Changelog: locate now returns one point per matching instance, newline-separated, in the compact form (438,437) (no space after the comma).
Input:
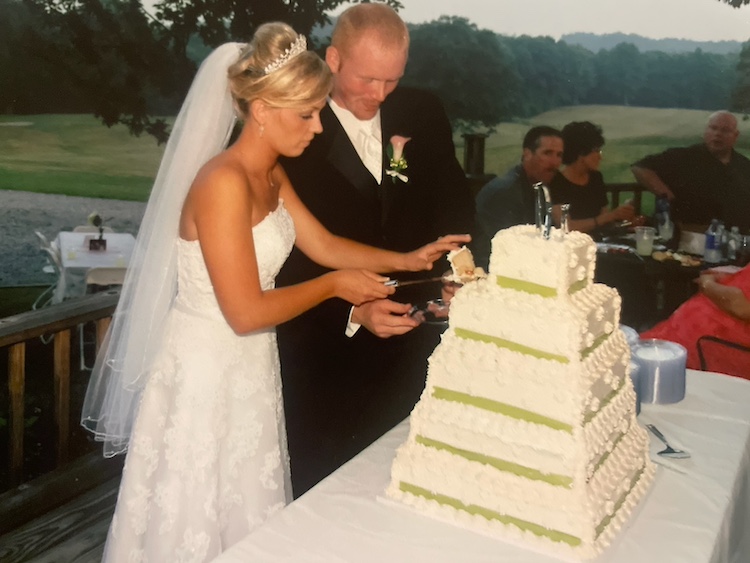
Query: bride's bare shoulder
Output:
(223,173)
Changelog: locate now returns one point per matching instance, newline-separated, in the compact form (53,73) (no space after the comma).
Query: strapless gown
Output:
(208,459)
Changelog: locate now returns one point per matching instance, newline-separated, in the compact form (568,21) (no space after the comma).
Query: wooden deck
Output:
(63,516)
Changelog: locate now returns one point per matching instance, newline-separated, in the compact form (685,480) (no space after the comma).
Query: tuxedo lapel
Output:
(343,156)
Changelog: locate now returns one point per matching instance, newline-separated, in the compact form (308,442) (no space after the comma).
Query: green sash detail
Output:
(605,455)
(476,510)
(502,343)
(536,288)
(620,502)
(608,399)
(500,408)
(500,464)
(529,351)
(578,286)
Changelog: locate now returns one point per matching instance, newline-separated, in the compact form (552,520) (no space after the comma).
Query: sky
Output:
(702,20)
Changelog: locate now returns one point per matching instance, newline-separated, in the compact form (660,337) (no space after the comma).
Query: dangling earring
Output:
(262,128)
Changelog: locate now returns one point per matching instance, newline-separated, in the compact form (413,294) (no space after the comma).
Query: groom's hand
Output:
(384,318)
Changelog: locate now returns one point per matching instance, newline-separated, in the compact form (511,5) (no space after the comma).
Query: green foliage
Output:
(741,91)
(443,58)
(113,59)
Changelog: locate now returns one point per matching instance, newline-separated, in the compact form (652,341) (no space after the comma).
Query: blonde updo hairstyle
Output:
(303,80)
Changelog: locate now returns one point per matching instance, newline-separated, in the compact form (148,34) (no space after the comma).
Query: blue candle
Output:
(631,335)
(662,371)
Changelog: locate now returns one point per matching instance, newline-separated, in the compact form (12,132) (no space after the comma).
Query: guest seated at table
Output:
(510,200)
(721,309)
(581,184)
(709,180)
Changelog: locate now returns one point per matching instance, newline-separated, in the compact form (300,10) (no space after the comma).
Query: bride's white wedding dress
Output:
(208,459)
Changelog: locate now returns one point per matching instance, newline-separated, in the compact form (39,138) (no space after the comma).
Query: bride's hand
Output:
(423,258)
(360,286)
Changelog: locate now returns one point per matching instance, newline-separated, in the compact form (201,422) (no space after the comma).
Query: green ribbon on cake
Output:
(499,464)
(536,288)
(500,408)
(523,349)
(476,510)
(554,535)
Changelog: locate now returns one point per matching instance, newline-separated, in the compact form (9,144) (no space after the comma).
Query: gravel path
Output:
(21,213)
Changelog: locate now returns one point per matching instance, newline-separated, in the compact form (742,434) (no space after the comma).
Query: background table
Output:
(77,259)
(699,514)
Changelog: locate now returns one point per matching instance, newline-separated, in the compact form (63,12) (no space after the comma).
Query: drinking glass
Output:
(644,240)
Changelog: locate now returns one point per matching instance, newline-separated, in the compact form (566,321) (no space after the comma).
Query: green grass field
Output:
(77,155)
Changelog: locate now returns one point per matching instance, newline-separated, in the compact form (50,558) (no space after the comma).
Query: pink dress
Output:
(697,317)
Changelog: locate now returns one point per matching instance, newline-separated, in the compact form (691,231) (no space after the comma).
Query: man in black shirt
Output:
(706,181)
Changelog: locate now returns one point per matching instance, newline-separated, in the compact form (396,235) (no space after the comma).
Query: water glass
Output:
(644,240)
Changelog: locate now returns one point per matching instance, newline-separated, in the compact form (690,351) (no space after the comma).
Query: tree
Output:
(466,67)
(736,3)
(128,65)
(740,100)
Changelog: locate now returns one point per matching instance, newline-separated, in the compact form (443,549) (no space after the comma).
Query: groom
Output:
(350,374)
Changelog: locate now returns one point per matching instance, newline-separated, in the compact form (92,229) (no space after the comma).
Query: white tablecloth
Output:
(697,514)
(77,259)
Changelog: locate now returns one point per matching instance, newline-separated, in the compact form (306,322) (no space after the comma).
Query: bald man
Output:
(710,180)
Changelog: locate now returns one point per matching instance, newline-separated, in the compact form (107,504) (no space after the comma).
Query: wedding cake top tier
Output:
(522,259)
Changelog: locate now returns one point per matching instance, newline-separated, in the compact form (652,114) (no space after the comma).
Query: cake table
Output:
(698,510)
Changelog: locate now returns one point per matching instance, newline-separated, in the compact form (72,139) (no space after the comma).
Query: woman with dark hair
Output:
(580,183)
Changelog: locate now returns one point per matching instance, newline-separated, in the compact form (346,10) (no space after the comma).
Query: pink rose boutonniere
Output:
(397,160)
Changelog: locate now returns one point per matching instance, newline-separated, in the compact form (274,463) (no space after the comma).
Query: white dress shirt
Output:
(366,136)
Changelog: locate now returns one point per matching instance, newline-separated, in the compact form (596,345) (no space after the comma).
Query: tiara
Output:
(298,46)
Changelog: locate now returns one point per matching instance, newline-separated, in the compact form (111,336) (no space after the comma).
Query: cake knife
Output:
(399,283)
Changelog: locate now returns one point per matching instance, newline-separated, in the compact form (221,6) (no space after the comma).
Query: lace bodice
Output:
(274,238)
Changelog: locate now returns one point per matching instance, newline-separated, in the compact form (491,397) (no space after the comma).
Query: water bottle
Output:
(733,244)
(722,236)
(712,253)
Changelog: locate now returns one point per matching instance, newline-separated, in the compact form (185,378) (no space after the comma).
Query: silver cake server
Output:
(669,451)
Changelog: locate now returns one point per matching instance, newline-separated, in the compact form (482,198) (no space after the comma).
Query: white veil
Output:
(200,132)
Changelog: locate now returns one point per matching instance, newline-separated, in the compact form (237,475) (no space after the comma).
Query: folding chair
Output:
(712,347)
(54,266)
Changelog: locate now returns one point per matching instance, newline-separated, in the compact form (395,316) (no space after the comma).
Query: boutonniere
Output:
(397,161)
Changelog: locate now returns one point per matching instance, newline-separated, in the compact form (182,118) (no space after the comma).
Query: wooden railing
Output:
(56,321)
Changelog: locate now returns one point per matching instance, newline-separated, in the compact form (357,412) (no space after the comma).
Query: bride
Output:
(189,381)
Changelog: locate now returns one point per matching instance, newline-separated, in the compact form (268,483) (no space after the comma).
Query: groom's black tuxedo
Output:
(341,393)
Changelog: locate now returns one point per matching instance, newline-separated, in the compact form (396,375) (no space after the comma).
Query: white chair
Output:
(91,229)
(54,266)
(104,277)
(98,279)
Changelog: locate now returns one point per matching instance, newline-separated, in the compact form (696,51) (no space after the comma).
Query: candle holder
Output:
(661,371)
